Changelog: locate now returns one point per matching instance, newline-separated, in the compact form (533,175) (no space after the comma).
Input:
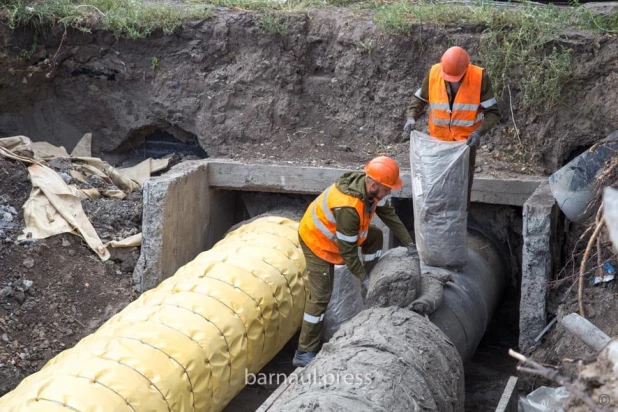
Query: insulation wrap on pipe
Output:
(413,363)
(186,345)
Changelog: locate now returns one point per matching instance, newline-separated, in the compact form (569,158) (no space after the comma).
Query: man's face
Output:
(377,190)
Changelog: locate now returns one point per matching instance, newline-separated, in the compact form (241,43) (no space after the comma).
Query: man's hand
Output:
(364,287)
(409,125)
(474,140)
(412,250)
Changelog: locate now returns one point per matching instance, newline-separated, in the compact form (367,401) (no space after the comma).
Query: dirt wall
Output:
(334,89)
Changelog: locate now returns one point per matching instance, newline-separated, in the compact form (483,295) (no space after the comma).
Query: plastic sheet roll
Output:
(186,345)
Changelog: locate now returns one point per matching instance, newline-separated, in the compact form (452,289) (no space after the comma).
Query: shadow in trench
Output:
(489,369)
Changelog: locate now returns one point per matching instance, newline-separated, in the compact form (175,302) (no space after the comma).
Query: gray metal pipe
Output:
(392,342)
(470,301)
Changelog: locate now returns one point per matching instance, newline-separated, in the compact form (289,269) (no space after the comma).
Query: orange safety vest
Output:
(318,228)
(467,113)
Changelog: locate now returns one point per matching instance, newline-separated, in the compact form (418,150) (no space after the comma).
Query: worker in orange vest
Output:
(334,226)
(461,102)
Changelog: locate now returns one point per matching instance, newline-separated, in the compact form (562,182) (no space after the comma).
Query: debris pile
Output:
(60,182)
(53,289)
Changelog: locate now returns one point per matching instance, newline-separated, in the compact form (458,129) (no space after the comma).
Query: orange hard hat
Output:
(454,64)
(385,171)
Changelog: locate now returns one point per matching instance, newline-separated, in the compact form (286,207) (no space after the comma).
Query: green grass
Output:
(522,41)
(273,24)
(125,18)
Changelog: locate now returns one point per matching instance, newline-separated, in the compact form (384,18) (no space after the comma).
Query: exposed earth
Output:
(334,84)
(332,92)
(55,291)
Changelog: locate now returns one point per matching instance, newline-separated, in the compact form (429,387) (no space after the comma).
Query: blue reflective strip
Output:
(313,319)
(327,212)
(470,107)
(440,106)
(489,103)
(347,238)
(463,122)
(319,225)
(418,94)
(441,122)
(444,122)
(372,256)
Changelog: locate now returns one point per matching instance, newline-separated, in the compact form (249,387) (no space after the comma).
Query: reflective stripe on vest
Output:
(318,228)
(466,113)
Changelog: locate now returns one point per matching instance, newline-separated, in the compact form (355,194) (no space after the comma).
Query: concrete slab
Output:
(313,180)
(539,226)
(508,401)
(182,217)
(189,208)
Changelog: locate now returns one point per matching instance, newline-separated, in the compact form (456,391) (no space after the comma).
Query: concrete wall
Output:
(232,175)
(539,227)
(182,217)
(191,207)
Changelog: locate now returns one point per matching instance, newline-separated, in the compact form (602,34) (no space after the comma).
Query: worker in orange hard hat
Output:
(334,226)
(461,102)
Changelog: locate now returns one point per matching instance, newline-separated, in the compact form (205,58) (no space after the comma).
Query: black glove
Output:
(474,140)
(412,250)
(409,125)
(365,287)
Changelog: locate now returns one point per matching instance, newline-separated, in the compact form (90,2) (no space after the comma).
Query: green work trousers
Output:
(321,277)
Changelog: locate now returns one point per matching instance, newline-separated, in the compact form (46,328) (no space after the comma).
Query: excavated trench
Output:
(486,372)
(224,89)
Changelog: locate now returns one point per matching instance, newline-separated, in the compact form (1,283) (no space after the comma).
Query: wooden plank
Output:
(313,180)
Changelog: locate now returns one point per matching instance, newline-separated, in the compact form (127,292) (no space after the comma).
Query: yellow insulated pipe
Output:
(186,345)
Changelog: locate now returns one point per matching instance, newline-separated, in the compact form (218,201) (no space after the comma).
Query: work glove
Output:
(474,140)
(409,125)
(412,251)
(364,287)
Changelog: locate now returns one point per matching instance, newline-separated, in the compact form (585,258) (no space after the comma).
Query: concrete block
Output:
(313,180)
(182,217)
(509,399)
(539,223)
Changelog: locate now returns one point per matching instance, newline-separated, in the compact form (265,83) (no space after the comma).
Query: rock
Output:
(479,169)
(29,263)
(344,148)
(5,337)
(65,243)
(27,284)
(61,163)
(68,179)
(6,292)
(20,297)
(6,216)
